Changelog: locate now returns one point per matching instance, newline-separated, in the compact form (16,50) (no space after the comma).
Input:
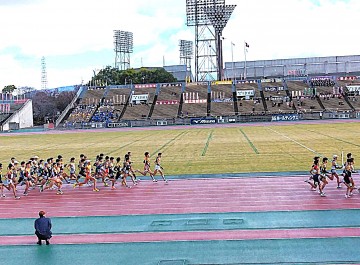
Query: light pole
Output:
(94,78)
(232,60)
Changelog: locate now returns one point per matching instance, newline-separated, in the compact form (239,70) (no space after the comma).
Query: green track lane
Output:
(285,251)
(188,222)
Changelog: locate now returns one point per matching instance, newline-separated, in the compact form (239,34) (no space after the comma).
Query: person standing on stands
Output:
(43,228)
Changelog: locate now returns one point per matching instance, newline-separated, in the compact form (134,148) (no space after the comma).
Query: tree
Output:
(9,89)
(114,76)
(25,90)
(46,106)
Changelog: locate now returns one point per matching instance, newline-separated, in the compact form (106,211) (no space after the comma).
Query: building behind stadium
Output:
(296,67)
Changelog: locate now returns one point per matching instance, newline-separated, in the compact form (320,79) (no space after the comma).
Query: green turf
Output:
(200,151)
(286,251)
(188,222)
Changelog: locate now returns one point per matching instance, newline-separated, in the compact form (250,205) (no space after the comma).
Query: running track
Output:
(226,198)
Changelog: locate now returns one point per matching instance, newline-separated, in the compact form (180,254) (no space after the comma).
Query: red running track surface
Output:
(188,236)
(181,196)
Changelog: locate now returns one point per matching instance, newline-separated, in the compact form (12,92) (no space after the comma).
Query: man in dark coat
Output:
(43,228)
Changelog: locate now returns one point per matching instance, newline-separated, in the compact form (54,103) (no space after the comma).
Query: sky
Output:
(76,37)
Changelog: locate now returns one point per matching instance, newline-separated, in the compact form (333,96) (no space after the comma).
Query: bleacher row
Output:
(114,105)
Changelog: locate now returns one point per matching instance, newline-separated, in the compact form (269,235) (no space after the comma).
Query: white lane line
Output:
(287,137)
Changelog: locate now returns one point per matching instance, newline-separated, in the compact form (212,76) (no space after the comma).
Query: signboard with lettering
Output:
(273,88)
(285,117)
(167,102)
(203,121)
(353,88)
(144,85)
(171,85)
(117,124)
(346,78)
(245,93)
(221,82)
(143,97)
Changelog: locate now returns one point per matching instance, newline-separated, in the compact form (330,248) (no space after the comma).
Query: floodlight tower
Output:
(123,42)
(186,54)
(43,74)
(202,14)
(205,46)
(219,16)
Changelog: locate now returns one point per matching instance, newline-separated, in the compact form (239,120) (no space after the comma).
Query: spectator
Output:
(43,228)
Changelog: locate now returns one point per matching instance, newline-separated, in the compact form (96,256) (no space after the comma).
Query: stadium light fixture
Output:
(123,47)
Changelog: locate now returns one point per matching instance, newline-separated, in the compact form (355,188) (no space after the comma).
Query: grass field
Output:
(199,151)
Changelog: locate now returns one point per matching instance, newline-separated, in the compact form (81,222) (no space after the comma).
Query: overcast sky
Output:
(76,37)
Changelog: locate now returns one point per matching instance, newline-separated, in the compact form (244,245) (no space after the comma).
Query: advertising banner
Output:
(203,121)
(144,85)
(117,124)
(346,78)
(273,88)
(143,97)
(221,83)
(170,85)
(244,93)
(353,88)
(285,117)
(167,102)
(193,101)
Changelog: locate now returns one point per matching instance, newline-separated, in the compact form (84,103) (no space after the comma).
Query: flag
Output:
(247,45)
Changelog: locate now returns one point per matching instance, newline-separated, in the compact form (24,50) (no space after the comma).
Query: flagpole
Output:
(245,61)
(232,59)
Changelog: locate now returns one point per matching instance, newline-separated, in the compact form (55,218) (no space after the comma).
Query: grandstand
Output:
(168,102)
(15,114)
(140,102)
(309,98)
(195,100)
(222,103)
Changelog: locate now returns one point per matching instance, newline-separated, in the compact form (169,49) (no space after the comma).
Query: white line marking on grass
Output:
(287,137)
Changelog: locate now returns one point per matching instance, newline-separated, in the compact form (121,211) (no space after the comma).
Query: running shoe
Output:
(41,188)
(322,194)
(347,196)
(154,180)
(106,185)
(59,192)
(74,185)
(17,197)
(3,195)
(113,188)
(96,190)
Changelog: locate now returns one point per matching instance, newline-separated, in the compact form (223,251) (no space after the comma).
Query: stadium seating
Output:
(222,100)
(92,96)
(294,96)
(13,108)
(332,98)
(195,93)
(82,113)
(117,98)
(251,106)
(140,111)
(277,100)
(106,113)
(168,102)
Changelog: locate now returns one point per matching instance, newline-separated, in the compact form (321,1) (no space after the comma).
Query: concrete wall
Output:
(23,117)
